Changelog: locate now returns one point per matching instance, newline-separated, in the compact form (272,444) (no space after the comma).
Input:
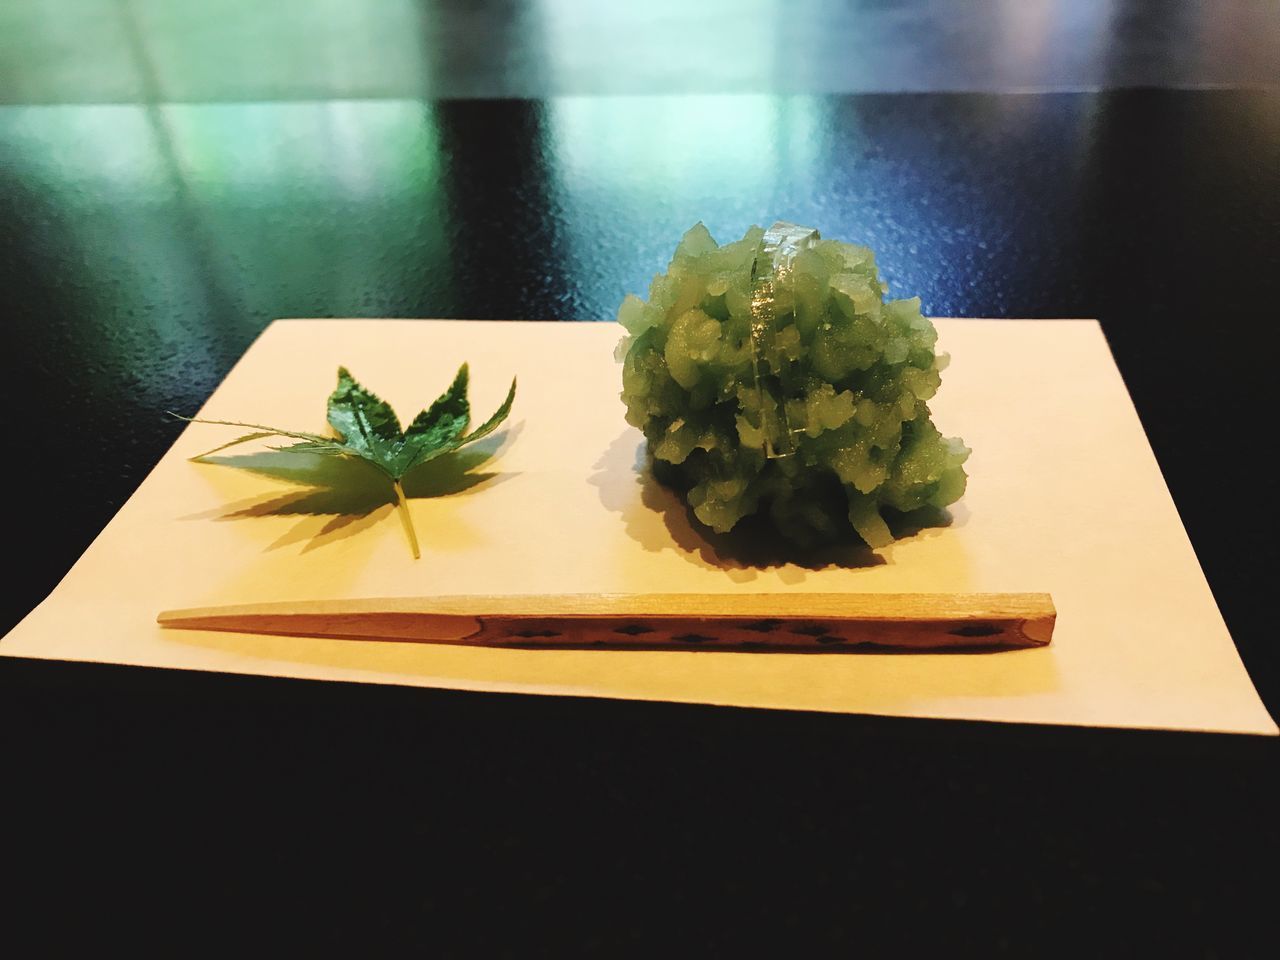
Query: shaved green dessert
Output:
(770,376)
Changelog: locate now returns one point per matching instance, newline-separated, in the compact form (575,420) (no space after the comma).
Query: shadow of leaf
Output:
(349,502)
(350,489)
(353,485)
(450,474)
(301,469)
(333,485)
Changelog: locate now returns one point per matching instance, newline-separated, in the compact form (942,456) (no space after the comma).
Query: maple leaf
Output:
(368,428)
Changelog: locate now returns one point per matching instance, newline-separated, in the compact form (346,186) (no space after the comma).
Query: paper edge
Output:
(515,691)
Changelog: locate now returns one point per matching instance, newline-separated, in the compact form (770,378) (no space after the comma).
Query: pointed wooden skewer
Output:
(792,622)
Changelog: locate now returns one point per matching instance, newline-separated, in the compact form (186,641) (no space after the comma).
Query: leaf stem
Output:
(406,519)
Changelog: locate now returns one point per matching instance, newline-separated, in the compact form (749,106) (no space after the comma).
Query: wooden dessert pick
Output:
(792,622)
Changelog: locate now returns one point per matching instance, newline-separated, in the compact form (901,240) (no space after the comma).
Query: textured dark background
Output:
(166,193)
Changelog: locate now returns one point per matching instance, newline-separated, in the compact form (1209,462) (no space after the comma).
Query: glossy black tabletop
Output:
(142,247)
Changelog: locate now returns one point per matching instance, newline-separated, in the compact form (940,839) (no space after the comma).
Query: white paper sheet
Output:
(1064,496)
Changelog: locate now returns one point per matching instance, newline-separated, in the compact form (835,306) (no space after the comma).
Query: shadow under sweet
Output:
(660,519)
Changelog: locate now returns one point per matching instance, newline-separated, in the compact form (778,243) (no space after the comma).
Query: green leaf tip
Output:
(498,417)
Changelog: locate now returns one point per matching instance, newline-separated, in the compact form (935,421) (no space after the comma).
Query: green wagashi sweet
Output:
(771,376)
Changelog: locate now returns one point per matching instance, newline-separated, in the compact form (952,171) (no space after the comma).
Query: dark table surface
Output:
(143,247)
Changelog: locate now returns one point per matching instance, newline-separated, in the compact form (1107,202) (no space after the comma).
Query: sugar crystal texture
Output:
(787,387)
